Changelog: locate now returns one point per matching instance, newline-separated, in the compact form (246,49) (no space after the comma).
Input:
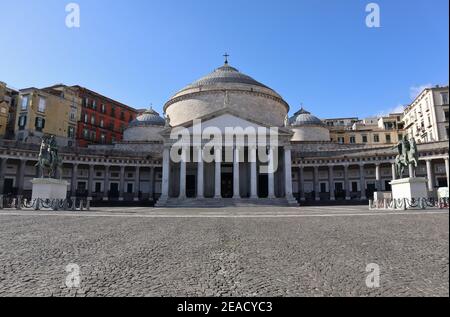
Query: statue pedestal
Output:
(49,188)
(409,188)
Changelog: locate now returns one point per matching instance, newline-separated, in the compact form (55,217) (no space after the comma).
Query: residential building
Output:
(427,118)
(52,110)
(8,101)
(103,120)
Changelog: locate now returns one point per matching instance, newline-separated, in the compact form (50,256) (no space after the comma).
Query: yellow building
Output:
(8,98)
(371,131)
(54,110)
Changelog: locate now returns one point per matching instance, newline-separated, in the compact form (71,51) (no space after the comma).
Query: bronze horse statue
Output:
(407,155)
(49,159)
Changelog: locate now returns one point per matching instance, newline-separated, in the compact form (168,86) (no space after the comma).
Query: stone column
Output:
(346,183)
(122,183)
(137,183)
(447,171)
(236,180)
(90,180)
(316,183)
(151,184)
(331,182)
(74,180)
(254,173)
(106,184)
(218,174)
(271,174)
(301,183)
(200,174)
(394,172)
(288,173)
(183,174)
(21,176)
(2,174)
(165,173)
(430,175)
(362,181)
(378,177)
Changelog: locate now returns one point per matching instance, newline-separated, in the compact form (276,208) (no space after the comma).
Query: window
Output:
(102,123)
(103,108)
(103,138)
(39,124)
(364,139)
(71,132)
(444,97)
(376,138)
(352,139)
(86,102)
(94,105)
(42,104)
(86,118)
(446,115)
(129,188)
(93,120)
(98,187)
(388,138)
(113,139)
(85,133)
(73,115)
(22,121)
(122,115)
(93,135)
(24,103)
(341,140)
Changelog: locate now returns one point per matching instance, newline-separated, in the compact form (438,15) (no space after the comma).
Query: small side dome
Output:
(148,118)
(308,128)
(145,128)
(305,118)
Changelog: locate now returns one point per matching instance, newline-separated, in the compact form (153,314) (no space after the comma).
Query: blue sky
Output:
(316,52)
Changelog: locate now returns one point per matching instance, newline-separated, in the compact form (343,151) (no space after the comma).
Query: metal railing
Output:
(405,204)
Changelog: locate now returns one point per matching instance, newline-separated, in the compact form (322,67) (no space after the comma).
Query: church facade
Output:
(226,140)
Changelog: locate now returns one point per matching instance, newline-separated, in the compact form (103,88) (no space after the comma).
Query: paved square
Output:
(312,251)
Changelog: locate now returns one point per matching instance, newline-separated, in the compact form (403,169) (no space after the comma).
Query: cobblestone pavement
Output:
(320,251)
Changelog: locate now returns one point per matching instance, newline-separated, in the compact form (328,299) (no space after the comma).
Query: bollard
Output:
(74,204)
(38,204)
(19,202)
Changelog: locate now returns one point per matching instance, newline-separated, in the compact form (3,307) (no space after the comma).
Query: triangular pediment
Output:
(226,118)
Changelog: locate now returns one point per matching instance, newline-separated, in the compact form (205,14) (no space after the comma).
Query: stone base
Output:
(409,188)
(49,188)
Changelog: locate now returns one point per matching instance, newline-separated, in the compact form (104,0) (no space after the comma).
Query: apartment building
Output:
(103,120)
(53,110)
(8,101)
(427,118)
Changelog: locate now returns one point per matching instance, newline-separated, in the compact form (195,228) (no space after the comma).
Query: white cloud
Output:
(397,109)
(416,90)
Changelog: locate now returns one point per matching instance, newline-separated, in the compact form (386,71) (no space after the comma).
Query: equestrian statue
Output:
(407,155)
(49,158)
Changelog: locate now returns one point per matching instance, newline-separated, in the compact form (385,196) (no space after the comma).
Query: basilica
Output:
(300,165)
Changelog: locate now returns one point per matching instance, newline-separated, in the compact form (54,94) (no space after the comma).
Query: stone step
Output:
(224,202)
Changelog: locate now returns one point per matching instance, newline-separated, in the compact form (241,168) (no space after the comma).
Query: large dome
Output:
(227,87)
(224,75)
